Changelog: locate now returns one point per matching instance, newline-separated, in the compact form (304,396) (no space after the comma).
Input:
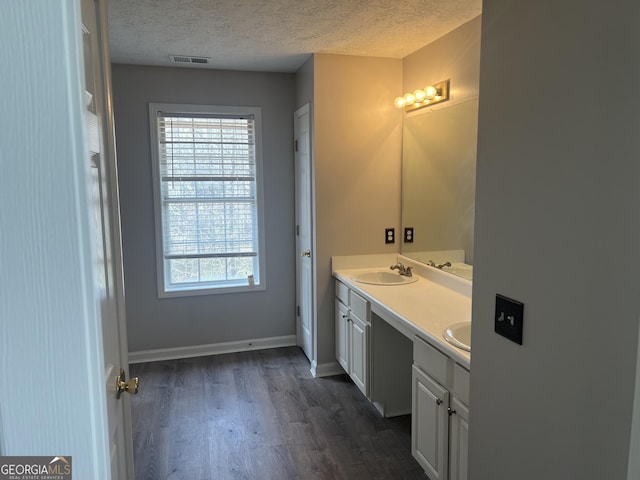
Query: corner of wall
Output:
(634,444)
(305,82)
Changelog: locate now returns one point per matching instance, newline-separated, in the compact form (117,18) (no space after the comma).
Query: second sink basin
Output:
(459,335)
(383,277)
(460,269)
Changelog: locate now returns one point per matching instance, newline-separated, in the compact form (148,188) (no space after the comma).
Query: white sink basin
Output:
(460,269)
(383,277)
(459,335)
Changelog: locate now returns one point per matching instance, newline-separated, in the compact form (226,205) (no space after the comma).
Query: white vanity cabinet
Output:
(429,429)
(439,413)
(342,334)
(352,335)
(459,441)
(459,424)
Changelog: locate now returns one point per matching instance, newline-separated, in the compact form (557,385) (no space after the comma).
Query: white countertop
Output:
(424,308)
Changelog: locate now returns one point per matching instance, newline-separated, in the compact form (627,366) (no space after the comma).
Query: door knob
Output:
(122,385)
(306,253)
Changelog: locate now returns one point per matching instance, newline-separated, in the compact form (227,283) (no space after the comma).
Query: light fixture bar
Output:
(430,95)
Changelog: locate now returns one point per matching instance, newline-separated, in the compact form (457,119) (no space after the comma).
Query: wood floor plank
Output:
(261,415)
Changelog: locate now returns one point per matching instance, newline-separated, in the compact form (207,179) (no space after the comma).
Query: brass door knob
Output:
(306,253)
(122,385)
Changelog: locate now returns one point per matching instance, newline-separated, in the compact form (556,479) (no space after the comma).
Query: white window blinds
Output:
(208,185)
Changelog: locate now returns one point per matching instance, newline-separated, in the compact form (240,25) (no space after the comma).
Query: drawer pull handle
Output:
(452,411)
(438,401)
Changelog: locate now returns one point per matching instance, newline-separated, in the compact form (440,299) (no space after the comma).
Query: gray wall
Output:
(188,321)
(557,227)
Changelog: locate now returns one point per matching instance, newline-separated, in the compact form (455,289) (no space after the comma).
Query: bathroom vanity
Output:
(389,340)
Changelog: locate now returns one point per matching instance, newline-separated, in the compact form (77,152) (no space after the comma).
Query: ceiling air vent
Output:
(189,59)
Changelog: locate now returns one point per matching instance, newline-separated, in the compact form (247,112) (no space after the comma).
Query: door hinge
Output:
(298,230)
(298,310)
(296,143)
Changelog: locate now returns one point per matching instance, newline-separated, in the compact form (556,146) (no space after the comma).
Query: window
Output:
(207,189)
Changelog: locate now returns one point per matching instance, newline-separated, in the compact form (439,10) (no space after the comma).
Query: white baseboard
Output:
(326,369)
(397,413)
(387,413)
(211,349)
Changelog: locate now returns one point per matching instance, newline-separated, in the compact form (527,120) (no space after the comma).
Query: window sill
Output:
(192,291)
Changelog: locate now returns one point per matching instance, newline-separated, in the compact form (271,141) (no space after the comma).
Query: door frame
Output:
(109,145)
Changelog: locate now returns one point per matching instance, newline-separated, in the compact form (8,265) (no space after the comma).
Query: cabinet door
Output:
(342,335)
(458,453)
(430,425)
(359,337)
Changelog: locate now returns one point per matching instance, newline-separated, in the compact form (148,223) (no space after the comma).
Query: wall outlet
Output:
(408,234)
(509,318)
(389,235)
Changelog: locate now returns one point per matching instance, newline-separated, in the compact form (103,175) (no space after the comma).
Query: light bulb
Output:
(419,95)
(430,92)
(409,99)
(399,102)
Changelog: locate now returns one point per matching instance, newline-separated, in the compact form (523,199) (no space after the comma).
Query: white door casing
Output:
(106,223)
(304,232)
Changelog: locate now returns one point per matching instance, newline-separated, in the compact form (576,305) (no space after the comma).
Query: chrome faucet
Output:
(442,265)
(402,270)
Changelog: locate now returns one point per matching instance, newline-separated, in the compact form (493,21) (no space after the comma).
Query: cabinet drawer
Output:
(461,383)
(359,306)
(431,361)
(342,292)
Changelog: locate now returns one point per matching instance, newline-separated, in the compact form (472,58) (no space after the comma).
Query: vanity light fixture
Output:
(430,95)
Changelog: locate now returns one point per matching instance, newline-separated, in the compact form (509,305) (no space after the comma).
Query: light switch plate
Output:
(509,318)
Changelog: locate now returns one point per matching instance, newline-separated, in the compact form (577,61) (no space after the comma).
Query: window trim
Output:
(193,289)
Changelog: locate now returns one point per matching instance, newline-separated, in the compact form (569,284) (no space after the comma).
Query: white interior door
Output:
(304,231)
(106,222)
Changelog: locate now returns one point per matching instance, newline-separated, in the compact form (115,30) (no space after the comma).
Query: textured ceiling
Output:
(277,35)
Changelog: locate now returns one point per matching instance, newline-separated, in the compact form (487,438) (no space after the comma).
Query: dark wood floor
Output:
(260,415)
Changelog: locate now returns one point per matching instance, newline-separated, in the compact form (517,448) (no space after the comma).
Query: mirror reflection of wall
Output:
(438,179)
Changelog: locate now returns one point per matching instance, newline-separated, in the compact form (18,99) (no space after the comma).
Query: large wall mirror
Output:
(438,183)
